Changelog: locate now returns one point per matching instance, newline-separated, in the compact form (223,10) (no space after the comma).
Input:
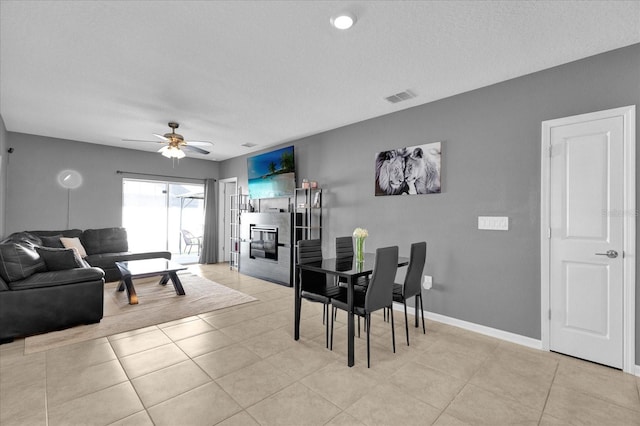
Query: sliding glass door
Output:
(163,216)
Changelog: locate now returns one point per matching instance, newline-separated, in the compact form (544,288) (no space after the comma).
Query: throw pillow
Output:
(19,261)
(74,242)
(58,259)
(52,241)
(83,263)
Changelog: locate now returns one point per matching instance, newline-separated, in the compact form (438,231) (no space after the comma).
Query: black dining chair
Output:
(314,286)
(378,295)
(344,252)
(411,286)
(344,247)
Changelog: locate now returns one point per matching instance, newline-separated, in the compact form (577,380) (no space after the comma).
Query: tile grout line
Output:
(130,383)
(201,369)
(340,410)
(546,400)
(463,387)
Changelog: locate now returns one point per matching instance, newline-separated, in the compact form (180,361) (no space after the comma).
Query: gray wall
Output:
(490,165)
(3,173)
(36,201)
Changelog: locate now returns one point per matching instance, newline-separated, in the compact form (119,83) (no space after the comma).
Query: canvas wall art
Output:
(409,170)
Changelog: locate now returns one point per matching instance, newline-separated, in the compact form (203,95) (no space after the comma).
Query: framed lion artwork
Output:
(409,170)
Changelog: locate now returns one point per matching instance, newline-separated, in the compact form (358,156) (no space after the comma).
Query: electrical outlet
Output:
(427,282)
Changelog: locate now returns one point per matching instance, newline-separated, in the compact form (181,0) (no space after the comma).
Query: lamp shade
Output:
(70,179)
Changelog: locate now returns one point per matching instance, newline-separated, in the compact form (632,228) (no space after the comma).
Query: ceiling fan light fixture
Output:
(343,21)
(172,152)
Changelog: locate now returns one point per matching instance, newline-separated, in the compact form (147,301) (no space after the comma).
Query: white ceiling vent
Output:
(249,144)
(399,97)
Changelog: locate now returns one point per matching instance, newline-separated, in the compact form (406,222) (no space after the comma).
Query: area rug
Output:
(157,304)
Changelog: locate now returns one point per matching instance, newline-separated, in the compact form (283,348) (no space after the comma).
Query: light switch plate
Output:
(493,223)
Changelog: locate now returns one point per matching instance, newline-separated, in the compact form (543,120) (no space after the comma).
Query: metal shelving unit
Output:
(238,203)
(308,217)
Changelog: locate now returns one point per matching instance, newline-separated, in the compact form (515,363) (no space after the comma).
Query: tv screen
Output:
(272,174)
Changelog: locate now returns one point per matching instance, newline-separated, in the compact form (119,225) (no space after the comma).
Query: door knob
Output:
(611,254)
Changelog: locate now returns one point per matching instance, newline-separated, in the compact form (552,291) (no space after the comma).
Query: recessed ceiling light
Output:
(343,21)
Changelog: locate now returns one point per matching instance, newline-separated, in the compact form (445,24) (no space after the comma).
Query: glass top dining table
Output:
(349,269)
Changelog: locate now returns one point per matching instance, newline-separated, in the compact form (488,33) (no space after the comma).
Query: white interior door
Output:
(227,187)
(586,220)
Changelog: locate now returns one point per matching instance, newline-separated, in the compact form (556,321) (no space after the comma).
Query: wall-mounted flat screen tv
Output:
(272,174)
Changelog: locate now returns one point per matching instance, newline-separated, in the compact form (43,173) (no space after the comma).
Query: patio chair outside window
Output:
(190,240)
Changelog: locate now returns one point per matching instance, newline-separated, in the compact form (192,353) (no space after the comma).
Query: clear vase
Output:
(359,248)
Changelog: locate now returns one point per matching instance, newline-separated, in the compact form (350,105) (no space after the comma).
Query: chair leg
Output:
(406,323)
(424,330)
(326,337)
(365,326)
(393,331)
(332,317)
(367,320)
(324,315)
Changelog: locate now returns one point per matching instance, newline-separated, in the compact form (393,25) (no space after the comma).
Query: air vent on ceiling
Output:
(399,97)
(249,144)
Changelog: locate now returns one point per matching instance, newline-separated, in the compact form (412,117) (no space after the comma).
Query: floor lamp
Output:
(69,179)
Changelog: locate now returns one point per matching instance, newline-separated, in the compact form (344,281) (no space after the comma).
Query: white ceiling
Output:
(268,72)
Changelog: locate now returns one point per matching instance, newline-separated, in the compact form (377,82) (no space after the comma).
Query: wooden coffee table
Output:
(131,269)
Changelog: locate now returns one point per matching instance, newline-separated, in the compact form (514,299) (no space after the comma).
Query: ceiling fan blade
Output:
(161,137)
(139,140)
(194,149)
(199,143)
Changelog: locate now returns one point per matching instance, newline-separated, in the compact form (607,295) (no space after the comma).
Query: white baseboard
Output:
(487,331)
(481,329)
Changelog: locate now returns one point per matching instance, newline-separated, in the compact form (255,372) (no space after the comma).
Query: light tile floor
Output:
(241,366)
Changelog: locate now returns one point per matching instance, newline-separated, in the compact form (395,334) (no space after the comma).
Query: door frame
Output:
(629,245)
(223,213)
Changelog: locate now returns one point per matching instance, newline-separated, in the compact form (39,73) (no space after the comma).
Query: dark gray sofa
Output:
(37,298)
(104,247)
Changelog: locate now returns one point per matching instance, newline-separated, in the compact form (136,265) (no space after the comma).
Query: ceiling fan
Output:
(175,145)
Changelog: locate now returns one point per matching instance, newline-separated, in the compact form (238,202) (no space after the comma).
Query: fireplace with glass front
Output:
(266,246)
(264,242)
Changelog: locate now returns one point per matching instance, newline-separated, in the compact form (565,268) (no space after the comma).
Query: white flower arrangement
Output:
(360,233)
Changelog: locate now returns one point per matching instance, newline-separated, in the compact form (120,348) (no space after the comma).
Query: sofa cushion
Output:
(68,233)
(53,241)
(56,278)
(19,261)
(57,259)
(105,240)
(3,285)
(74,243)
(107,260)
